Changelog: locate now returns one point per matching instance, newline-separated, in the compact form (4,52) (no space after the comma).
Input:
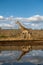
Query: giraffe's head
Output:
(17,22)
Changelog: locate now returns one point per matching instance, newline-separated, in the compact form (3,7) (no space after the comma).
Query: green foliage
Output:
(3,36)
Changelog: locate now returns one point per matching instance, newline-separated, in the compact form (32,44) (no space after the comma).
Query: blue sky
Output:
(21,9)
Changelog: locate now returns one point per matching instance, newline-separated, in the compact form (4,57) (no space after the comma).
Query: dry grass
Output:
(15,34)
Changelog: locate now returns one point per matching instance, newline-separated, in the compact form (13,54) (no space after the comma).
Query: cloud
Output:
(1,17)
(34,24)
(29,19)
(10,18)
(32,21)
(5,25)
(34,18)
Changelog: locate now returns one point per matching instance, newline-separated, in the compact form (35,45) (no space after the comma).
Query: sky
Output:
(29,12)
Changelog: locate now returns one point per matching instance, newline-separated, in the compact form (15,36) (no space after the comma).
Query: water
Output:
(10,58)
(18,64)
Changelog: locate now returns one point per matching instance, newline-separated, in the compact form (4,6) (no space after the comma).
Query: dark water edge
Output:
(26,63)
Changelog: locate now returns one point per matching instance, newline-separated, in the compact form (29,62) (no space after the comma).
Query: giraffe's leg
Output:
(23,53)
(25,50)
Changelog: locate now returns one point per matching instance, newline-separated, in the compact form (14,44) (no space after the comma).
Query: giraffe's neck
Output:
(21,27)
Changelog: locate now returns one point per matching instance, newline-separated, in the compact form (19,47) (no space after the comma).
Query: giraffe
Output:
(25,35)
(25,32)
